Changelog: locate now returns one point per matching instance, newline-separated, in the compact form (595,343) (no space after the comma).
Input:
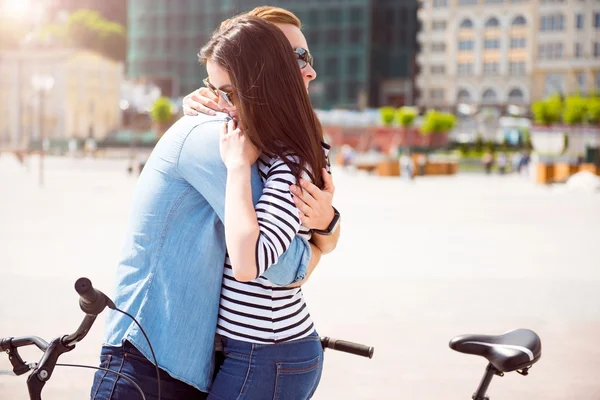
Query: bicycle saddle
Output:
(508,352)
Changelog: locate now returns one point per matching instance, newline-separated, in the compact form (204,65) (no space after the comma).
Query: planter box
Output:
(544,173)
(590,167)
(452,168)
(436,169)
(388,168)
(562,171)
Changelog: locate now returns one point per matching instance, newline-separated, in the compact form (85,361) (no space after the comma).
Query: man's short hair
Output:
(274,15)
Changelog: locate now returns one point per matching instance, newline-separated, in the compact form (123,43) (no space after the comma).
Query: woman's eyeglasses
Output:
(304,57)
(218,92)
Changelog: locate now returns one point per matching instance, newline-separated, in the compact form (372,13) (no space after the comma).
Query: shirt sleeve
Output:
(277,216)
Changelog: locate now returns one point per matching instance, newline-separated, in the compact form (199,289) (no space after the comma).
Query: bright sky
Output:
(16,9)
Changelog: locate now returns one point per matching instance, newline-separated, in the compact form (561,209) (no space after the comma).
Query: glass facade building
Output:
(357,44)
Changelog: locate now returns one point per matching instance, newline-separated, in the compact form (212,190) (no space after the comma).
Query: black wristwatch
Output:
(332,225)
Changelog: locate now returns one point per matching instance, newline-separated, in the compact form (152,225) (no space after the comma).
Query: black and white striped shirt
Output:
(259,311)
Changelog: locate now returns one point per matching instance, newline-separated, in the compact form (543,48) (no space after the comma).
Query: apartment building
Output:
(497,53)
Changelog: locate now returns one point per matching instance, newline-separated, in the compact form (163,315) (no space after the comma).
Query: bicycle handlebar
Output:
(10,342)
(92,302)
(348,347)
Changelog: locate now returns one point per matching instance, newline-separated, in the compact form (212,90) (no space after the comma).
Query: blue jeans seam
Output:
(107,366)
(247,373)
(118,377)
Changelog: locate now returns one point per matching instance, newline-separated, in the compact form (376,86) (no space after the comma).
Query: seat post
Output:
(490,371)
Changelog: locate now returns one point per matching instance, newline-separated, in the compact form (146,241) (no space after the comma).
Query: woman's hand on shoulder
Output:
(236,148)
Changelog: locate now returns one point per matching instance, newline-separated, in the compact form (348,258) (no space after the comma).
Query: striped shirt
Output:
(258,311)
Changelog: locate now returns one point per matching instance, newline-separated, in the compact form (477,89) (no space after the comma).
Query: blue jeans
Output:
(129,361)
(283,371)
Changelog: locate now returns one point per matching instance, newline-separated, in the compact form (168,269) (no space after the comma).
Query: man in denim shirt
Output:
(169,276)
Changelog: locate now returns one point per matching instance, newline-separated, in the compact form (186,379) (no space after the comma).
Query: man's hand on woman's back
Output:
(201,101)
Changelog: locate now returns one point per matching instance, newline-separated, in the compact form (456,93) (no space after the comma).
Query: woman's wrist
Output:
(237,166)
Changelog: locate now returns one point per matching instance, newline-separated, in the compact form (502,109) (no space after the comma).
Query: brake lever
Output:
(20,367)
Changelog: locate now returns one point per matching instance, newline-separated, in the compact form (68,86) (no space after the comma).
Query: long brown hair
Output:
(269,93)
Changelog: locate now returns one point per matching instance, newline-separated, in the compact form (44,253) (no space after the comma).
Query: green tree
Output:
(437,122)
(387,115)
(593,110)
(447,122)
(88,29)
(162,110)
(575,110)
(405,116)
(548,111)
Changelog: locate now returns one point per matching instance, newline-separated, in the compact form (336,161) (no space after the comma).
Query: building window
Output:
(466,24)
(333,16)
(331,66)
(554,22)
(438,26)
(516,68)
(436,94)
(356,15)
(333,36)
(491,44)
(465,69)
(581,82)
(352,89)
(313,18)
(463,96)
(312,37)
(579,21)
(578,50)
(550,51)
(553,84)
(598,81)
(466,45)
(467,2)
(439,47)
(491,68)
(596,20)
(517,43)
(519,21)
(354,65)
(440,3)
(489,97)
(492,23)
(355,35)
(516,96)
(596,49)
(332,92)
(438,70)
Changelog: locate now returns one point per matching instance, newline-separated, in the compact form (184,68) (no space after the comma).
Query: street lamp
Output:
(42,84)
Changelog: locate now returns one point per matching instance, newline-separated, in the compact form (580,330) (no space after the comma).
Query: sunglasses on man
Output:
(302,55)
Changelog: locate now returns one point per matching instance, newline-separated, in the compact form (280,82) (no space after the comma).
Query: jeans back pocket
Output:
(297,380)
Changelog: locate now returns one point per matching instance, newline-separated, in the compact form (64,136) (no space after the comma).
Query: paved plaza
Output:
(417,263)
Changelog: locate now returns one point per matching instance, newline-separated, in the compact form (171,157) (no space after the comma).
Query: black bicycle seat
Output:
(508,352)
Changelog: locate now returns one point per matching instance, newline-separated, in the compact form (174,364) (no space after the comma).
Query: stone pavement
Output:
(417,263)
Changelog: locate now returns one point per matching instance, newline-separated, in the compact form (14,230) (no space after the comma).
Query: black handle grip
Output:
(91,301)
(348,347)
(5,344)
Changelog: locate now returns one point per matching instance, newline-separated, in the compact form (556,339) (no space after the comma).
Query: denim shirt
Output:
(171,267)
